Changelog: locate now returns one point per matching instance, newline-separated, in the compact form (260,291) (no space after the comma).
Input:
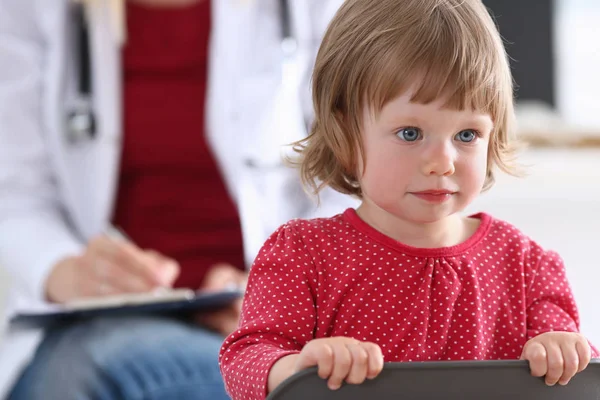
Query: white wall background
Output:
(558,205)
(577,38)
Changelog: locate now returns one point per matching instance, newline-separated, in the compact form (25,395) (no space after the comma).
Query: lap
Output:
(125,358)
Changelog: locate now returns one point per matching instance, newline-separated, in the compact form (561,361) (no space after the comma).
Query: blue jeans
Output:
(127,358)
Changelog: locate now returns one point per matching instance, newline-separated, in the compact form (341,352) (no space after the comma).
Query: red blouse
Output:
(479,300)
(171,195)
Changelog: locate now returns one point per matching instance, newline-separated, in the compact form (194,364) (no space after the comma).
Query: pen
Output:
(115,233)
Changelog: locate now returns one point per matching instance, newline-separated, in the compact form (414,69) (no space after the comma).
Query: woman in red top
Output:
(171,199)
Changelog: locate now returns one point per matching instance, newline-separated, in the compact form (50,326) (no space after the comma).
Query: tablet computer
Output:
(451,380)
(176,303)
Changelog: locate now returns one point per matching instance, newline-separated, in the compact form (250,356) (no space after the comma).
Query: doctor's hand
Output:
(107,267)
(220,277)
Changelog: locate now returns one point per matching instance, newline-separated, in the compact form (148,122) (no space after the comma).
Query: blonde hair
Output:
(375,50)
(116,10)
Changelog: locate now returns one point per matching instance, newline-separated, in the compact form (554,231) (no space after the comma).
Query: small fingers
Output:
(319,354)
(570,363)
(342,359)
(375,359)
(342,363)
(536,354)
(555,364)
(360,364)
(584,353)
(325,361)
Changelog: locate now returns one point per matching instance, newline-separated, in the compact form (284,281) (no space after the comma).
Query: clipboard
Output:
(450,380)
(176,306)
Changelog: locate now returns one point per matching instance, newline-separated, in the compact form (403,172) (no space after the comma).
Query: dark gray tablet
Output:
(452,380)
(201,302)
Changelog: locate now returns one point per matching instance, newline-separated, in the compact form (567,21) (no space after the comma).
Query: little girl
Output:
(413,110)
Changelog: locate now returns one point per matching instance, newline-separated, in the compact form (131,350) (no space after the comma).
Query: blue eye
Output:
(409,134)
(466,136)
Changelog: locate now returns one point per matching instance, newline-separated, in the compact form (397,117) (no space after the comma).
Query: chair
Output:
(464,380)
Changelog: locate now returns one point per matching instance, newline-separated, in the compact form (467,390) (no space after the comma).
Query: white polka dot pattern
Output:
(480,300)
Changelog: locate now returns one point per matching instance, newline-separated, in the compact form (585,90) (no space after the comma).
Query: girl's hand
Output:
(338,359)
(557,355)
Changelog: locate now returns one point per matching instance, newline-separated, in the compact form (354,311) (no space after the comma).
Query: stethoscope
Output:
(81,119)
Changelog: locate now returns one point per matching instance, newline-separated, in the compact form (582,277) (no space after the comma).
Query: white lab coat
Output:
(54,196)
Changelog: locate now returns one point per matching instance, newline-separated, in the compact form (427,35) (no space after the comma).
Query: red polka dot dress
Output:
(479,300)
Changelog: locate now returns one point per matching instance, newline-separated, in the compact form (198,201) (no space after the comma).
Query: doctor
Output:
(103,121)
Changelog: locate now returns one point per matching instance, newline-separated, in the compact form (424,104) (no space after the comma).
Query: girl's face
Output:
(424,162)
